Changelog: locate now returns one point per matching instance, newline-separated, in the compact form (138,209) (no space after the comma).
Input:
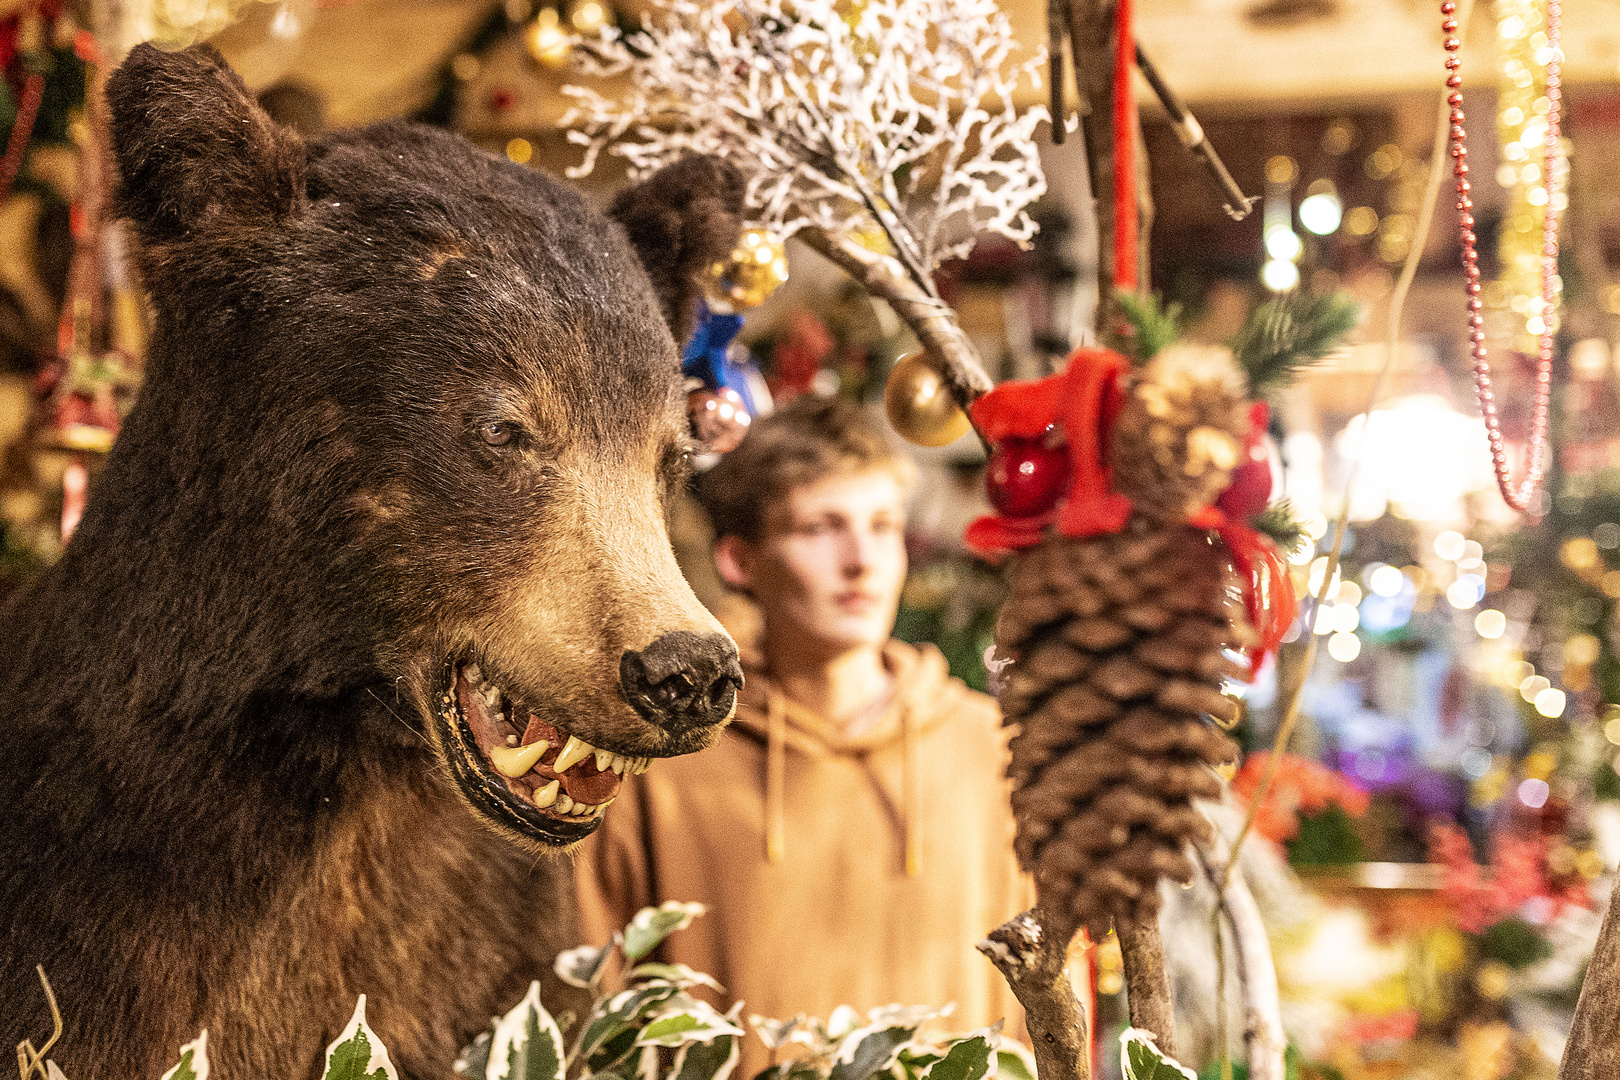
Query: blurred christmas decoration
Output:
(918,400)
(1522,113)
(1303,794)
(895,114)
(731,391)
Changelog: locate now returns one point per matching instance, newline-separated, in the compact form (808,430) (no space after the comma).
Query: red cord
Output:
(22,129)
(1125,223)
(1515,495)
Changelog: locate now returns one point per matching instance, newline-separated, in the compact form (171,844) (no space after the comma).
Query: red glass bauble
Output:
(1026,477)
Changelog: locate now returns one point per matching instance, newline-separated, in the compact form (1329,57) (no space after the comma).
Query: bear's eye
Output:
(497,432)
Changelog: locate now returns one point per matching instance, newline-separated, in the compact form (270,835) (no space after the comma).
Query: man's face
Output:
(831,564)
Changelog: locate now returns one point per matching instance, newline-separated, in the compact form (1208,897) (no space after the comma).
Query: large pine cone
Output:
(1117,643)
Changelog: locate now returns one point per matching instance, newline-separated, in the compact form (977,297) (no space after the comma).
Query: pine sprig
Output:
(1289,333)
(1152,326)
(1278,522)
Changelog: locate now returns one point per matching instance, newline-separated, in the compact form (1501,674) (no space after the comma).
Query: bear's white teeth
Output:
(513,760)
(551,797)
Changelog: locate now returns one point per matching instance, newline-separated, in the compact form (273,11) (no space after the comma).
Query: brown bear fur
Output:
(225,803)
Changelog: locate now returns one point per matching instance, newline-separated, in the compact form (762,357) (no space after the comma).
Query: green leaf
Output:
(972,1058)
(650,926)
(679,974)
(474,1057)
(583,967)
(1141,1059)
(1283,335)
(712,1060)
(869,1050)
(357,1053)
(1152,327)
(193,1063)
(527,1044)
(695,1021)
(621,1010)
(1014,1061)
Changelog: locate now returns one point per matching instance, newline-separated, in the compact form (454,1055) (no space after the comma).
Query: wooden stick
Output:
(933,322)
(1147,985)
(1593,1052)
(1031,951)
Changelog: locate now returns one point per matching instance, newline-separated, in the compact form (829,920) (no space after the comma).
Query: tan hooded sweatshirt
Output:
(798,840)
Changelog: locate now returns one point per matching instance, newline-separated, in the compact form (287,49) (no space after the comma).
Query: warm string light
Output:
(1515,495)
(1523,105)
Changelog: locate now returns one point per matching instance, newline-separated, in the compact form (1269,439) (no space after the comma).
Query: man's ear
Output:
(682,220)
(735,561)
(193,146)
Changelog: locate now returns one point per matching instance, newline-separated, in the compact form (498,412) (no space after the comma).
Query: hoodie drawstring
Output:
(775,772)
(908,812)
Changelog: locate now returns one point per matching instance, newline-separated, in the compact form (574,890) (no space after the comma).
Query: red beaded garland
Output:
(1516,495)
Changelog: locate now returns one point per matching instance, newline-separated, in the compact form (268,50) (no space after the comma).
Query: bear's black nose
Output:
(682,680)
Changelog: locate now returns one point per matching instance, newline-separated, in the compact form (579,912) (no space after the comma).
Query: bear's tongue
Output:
(589,777)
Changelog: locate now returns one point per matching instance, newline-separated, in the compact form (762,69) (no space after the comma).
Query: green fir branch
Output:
(1278,522)
(1152,327)
(1291,332)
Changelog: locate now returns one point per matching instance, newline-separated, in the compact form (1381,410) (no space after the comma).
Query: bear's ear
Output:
(192,145)
(682,220)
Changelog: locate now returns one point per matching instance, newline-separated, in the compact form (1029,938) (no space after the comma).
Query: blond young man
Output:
(850,833)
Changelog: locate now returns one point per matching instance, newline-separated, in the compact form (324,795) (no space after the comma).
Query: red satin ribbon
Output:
(1084,400)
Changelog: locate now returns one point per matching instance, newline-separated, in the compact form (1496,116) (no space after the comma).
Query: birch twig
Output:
(1031,951)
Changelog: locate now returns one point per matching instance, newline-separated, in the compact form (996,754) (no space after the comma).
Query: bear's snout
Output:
(683,680)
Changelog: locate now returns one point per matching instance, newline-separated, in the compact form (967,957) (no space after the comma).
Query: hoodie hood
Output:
(925,696)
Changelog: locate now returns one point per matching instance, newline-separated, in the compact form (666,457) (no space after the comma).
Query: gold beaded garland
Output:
(919,402)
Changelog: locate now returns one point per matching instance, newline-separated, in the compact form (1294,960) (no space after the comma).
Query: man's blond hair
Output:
(807,440)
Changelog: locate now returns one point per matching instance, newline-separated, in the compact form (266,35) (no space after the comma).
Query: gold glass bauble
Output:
(751,272)
(919,402)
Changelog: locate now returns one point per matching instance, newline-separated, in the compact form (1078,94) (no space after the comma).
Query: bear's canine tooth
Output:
(574,751)
(604,760)
(515,761)
(544,797)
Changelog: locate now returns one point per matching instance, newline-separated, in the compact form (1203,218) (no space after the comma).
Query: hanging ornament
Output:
(756,267)
(1122,614)
(1025,476)
(919,402)
(1515,495)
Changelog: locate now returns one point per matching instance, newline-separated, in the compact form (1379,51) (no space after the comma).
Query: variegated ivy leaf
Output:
(583,967)
(652,925)
(774,1033)
(789,1070)
(619,1012)
(474,1057)
(912,1016)
(679,974)
(357,1053)
(842,1021)
(1141,1058)
(193,1063)
(1014,1060)
(693,1021)
(713,1060)
(527,1044)
(970,1058)
(869,1050)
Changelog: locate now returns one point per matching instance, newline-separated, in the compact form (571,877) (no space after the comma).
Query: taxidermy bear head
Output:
(412,417)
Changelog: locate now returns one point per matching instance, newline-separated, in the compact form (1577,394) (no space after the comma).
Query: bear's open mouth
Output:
(524,771)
